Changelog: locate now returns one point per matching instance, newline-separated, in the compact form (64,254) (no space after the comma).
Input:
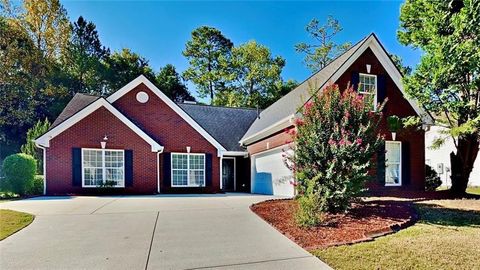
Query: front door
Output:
(228,174)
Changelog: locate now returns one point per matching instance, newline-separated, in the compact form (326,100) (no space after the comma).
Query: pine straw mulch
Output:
(365,221)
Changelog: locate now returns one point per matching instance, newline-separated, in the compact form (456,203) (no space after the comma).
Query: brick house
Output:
(137,140)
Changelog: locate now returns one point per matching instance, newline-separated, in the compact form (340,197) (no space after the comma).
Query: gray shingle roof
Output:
(291,102)
(78,102)
(227,125)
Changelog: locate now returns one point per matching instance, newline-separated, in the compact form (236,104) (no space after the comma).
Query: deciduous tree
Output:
(447,80)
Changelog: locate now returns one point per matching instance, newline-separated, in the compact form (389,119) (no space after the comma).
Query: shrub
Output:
(19,170)
(333,142)
(432,180)
(37,187)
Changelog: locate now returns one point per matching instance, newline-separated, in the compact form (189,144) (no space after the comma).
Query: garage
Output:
(270,175)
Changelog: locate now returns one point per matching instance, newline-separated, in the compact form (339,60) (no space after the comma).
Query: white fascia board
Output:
(142,79)
(44,140)
(234,153)
(282,124)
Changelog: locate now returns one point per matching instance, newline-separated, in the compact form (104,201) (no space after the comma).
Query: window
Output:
(368,87)
(393,163)
(188,170)
(103,167)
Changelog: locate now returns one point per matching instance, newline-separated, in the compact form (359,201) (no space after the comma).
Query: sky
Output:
(158,30)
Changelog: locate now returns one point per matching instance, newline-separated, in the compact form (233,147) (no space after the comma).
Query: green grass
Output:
(473,190)
(13,221)
(447,236)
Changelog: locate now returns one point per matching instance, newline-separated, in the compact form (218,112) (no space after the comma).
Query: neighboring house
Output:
(140,141)
(366,64)
(439,159)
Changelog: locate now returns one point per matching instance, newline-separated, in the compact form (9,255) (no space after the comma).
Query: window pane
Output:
(197,162)
(92,158)
(393,152)
(196,178)
(179,161)
(115,175)
(179,178)
(113,159)
(392,174)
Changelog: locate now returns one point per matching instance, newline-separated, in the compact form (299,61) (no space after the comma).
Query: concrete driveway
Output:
(149,232)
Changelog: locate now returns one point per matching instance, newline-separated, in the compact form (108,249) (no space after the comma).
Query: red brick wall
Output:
(88,133)
(396,105)
(168,128)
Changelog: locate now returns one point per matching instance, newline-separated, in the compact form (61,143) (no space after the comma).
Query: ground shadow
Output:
(438,215)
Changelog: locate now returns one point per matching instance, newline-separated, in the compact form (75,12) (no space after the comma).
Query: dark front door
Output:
(228,174)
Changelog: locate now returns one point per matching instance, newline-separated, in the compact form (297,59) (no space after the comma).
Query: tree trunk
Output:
(462,163)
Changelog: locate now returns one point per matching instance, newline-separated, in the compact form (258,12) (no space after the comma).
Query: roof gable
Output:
(44,140)
(142,79)
(279,115)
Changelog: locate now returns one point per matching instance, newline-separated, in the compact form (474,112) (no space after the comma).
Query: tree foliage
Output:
(335,137)
(205,52)
(84,59)
(447,80)
(253,73)
(124,66)
(30,148)
(323,49)
(169,81)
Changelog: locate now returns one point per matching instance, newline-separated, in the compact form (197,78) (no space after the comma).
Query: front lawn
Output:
(447,236)
(473,190)
(13,221)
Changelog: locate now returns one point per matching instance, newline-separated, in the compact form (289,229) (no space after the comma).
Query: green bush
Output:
(37,187)
(432,180)
(19,171)
(333,144)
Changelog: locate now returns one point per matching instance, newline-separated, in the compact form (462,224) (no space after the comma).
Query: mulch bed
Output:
(365,221)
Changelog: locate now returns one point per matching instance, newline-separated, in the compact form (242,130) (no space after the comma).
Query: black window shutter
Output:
(128,168)
(381,165)
(77,167)
(355,80)
(167,157)
(405,163)
(382,88)
(208,169)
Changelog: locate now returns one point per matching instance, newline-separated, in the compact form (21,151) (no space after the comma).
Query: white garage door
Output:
(270,175)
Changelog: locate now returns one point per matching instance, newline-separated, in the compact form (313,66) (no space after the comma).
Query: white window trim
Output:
(368,93)
(103,167)
(188,169)
(400,167)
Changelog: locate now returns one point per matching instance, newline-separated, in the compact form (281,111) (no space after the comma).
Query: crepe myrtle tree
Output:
(333,142)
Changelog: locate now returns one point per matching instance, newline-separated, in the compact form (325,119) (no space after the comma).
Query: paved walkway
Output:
(149,232)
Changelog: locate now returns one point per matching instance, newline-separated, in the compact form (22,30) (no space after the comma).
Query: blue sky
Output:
(158,30)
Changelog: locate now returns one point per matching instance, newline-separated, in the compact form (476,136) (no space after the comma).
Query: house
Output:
(369,68)
(439,158)
(137,140)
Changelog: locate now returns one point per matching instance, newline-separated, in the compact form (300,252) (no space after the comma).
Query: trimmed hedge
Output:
(19,170)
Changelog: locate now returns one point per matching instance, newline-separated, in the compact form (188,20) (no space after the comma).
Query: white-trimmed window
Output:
(103,167)
(393,163)
(188,170)
(368,87)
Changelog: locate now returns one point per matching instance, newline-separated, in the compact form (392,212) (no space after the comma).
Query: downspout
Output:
(158,168)
(44,151)
(158,171)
